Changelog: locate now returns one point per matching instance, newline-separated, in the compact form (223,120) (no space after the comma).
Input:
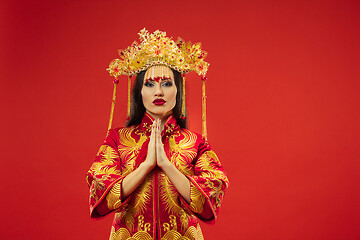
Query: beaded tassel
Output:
(113,104)
(128,103)
(183,113)
(204,129)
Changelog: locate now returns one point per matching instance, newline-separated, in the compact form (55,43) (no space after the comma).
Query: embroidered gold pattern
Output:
(207,174)
(113,197)
(141,224)
(216,193)
(211,171)
(183,151)
(123,234)
(168,194)
(171,233)
(129,149)
(170,197)
(142,197)
(107,163)
(197,199)
(147,127)
(192,233)
(209,163)
(96,186)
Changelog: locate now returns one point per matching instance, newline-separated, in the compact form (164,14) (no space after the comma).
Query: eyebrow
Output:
(158,79)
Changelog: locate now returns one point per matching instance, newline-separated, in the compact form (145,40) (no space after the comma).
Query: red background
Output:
(283,111)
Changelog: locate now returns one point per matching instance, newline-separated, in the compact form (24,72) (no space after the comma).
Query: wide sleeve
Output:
(104,178)
(208,184)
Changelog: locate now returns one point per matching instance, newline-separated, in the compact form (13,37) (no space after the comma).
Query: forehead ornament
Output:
(158,72)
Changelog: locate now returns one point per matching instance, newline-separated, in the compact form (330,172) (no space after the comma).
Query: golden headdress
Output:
(158,49)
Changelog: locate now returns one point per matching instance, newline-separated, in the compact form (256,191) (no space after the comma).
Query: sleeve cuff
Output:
(109,200)
(199,203)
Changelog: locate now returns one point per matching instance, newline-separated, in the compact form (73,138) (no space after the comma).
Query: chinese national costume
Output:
(155,209)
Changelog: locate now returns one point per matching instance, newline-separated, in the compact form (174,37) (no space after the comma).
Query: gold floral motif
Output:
(172,225)
(192,233)
(173,222)
(129,149)
(171,233)
(141,224)
(113,197)
(169,194)
(183,152)
(170,128)
(103,170)
(142,196)
(197,199)
(98,185)
(147,127)
(120,234)
(184,219)
(123,234)
(216,192)
(156,48)
(107,164)
(170,197)
(209,164)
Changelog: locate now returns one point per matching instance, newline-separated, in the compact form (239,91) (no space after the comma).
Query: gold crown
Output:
(158,49)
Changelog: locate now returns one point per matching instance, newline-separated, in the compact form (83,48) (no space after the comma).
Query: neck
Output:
(163,118)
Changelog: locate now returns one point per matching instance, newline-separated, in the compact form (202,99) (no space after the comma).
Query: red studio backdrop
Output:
(283,111)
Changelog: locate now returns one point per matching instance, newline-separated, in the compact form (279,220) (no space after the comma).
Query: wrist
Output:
(166,165)
(147,166)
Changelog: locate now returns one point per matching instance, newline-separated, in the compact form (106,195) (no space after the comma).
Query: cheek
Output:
(173,95)
(144,96)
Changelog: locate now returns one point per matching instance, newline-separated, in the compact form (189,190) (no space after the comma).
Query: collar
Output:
(169,127)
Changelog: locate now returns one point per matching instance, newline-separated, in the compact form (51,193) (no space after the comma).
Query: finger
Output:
(153,131)
(158,134)
(159,143)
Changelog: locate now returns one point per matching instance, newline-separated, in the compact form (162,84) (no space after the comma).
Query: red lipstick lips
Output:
(159,102)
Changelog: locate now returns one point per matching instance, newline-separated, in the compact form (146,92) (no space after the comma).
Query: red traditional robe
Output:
(155,210)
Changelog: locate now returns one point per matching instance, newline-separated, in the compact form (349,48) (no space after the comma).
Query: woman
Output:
(158,176)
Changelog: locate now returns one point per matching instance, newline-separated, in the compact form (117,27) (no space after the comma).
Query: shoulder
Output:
(128,136)
(115,134)
(188,132)
(121,130)
(196,138)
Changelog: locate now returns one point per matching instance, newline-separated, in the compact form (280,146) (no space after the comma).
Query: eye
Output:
(148,84)
(167,84)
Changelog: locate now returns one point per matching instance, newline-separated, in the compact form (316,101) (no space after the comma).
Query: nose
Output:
(158,91)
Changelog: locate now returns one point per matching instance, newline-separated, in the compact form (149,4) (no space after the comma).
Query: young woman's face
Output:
(159,91)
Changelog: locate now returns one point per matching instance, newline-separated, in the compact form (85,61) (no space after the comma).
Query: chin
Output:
(159,114)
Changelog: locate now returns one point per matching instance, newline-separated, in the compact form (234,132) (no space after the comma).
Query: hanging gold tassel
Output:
(128,103)
(204,129)
(113,104)
(183,113)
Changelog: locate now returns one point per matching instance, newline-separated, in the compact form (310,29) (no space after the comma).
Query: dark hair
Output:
(137,106)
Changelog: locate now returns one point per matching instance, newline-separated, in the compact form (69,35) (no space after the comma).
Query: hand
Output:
(161,158)
(150,160)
